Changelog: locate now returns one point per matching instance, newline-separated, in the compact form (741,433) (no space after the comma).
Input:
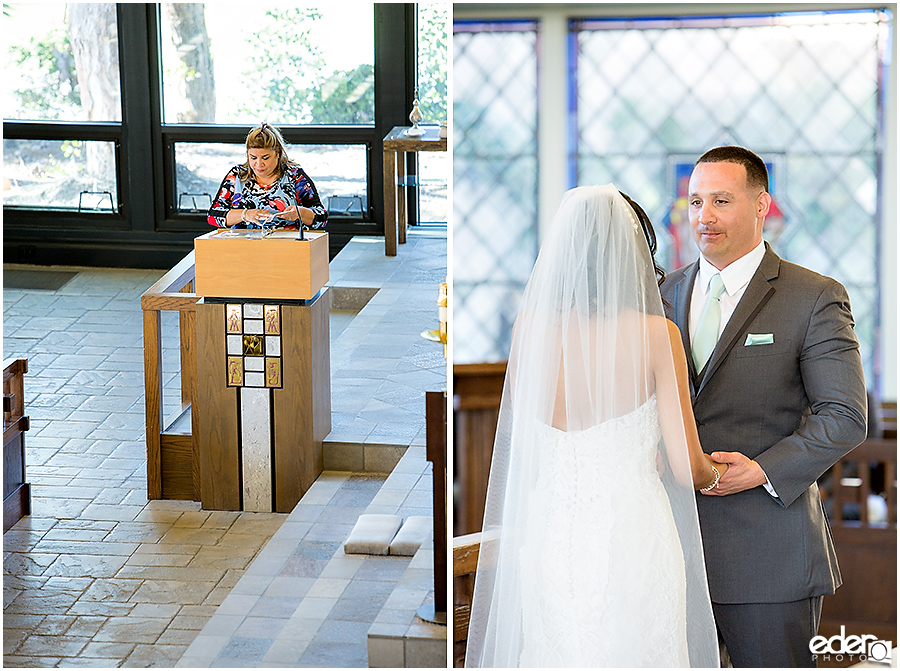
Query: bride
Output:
(590,552)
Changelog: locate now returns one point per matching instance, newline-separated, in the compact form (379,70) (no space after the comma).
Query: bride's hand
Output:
(742,473)
(723,467)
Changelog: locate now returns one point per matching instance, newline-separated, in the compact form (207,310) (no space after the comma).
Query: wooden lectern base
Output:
(264,394)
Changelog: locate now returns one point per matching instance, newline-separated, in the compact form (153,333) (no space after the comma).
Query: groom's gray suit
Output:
(795,403)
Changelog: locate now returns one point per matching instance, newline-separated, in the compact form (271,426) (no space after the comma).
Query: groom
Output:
(779,395)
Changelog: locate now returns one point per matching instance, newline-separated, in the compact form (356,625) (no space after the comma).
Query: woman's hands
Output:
(252,216)
(259,217)
(241,215)
(307,216)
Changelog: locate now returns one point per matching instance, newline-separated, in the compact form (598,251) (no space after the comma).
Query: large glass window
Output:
(138,156)
(60,174)
(495,175)
(801,90)
(61,62)
(431,64)
(234,63)
(431,70)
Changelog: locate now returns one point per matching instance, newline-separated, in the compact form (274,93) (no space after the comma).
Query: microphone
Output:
(299,221)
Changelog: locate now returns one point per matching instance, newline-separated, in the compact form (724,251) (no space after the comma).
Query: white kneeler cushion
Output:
(372,534)
(412,534)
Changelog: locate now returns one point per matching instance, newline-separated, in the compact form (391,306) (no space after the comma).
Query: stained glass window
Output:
(495,173)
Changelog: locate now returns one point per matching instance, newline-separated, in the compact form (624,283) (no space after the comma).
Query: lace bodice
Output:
(602,569)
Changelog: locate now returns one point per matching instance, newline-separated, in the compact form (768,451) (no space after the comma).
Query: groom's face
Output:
(726,214)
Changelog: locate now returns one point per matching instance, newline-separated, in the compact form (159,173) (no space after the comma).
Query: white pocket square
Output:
(759,339)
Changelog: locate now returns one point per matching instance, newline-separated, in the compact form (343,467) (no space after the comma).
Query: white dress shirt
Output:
(735,277)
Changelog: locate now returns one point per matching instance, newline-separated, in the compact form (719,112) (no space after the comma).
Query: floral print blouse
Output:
(294,186)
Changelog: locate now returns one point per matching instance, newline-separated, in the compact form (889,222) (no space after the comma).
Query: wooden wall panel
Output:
(217,421)
(477,389)
(177,465)
(302,408)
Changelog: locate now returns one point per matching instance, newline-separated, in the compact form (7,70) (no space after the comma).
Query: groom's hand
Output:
(743,473)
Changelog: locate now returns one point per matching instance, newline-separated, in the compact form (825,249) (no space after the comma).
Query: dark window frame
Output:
(148,230)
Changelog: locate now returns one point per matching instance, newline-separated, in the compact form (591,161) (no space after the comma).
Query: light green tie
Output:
(707,333)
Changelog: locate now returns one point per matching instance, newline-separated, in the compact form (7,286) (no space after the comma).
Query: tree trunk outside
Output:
(94,36)
(192,42)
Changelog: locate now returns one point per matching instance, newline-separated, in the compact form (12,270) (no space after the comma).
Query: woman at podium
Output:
(267,187)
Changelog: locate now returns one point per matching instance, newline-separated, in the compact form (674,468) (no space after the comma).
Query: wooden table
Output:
(396,144)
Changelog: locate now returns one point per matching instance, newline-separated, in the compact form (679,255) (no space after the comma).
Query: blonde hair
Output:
(266,136)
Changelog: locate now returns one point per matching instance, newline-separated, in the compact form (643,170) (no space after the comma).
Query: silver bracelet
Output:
(715,482)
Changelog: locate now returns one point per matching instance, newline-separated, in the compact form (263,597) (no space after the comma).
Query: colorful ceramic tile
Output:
(272,320)
(273,372)
(253,345)
(233,318)
(235,371)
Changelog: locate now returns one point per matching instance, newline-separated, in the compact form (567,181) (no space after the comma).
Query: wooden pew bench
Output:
(16,491)
(865,539)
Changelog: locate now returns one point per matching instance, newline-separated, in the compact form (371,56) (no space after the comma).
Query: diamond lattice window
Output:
(801,90)
(494,182)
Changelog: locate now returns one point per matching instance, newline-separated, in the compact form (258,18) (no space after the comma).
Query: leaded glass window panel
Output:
(494,182)
(802,90)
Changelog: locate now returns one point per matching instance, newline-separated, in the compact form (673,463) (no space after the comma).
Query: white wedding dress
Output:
(590,552)
(602,570)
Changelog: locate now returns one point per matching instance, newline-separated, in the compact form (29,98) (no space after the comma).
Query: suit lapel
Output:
(756,295)
(683,291)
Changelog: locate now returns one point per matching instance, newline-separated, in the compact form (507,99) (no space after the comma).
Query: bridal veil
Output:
(590,347)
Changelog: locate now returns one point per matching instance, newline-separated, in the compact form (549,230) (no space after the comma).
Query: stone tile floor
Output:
(97,575)
(307,603)
(380,363)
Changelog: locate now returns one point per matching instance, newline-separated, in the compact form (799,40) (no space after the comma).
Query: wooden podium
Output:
(263,367)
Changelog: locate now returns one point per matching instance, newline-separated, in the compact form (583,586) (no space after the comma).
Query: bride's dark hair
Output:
(649,233)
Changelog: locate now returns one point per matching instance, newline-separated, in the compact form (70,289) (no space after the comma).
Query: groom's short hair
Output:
(757,175)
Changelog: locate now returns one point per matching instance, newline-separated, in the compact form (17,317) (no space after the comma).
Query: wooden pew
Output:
(866,603)
(465,561)
(16,491)
(888,420)
(477,389)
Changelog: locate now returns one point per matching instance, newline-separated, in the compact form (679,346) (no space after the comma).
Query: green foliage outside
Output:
(346,97)
(284,69)
(285,79)
(52,90)
(433,63)
(288,70)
